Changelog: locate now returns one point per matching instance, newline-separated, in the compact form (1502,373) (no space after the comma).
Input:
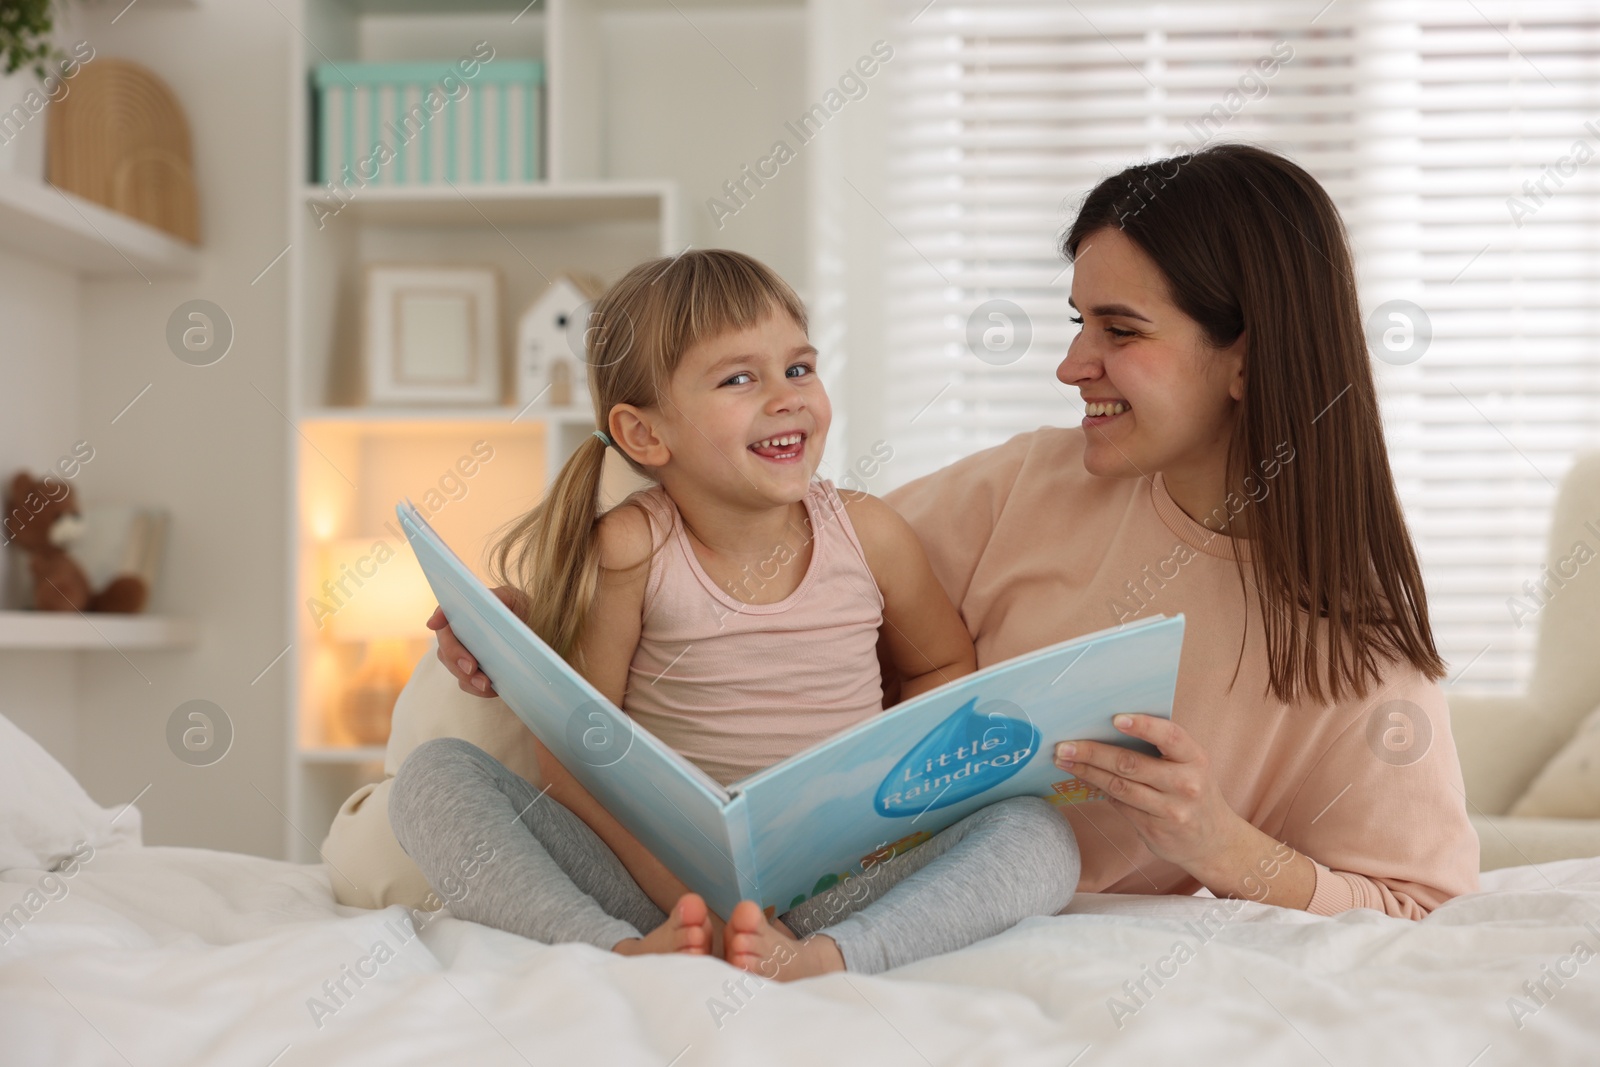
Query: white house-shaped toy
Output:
(550,340)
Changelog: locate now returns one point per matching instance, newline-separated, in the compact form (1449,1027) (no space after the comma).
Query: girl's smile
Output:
(782,447)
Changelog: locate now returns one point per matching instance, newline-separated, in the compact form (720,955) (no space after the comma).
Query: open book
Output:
(832,811)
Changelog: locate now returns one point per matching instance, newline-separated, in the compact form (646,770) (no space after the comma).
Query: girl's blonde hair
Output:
(635,338)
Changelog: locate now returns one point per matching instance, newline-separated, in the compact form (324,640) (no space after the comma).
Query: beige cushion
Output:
(1569,785)
(1505,841)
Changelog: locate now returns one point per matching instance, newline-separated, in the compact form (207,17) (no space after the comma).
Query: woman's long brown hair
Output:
(1250,244)
(634,340)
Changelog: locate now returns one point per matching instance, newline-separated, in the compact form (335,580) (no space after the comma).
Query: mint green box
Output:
(426,123)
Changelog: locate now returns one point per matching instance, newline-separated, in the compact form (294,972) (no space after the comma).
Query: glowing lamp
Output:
(373,592)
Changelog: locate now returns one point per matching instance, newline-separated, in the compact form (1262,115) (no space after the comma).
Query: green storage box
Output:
(425,123)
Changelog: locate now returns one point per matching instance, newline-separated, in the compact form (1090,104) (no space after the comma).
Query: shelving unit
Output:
(350,463)
(92,241)
(500,413)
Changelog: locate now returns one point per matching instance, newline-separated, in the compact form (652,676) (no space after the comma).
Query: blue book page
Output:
(896,780)
(675,809)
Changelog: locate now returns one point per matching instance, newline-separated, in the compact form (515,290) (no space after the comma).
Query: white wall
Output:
(202,442)
(705,93)
(207,442)
(39,422)
(850,236)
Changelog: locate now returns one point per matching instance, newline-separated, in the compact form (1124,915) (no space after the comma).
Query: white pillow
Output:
(1569,785)
(45,814)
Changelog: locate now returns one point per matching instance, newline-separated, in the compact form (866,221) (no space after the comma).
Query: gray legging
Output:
(501,854)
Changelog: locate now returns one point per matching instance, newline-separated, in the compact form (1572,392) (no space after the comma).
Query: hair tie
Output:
(604,439)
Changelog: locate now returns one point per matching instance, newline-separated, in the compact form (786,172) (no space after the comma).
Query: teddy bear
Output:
(41,519)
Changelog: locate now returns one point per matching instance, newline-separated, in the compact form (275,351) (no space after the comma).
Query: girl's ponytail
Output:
(553,554)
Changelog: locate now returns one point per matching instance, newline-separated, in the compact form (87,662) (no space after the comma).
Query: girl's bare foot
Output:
(753,944)
(687,929)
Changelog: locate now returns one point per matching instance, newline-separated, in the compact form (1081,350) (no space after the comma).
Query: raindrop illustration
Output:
(968,753)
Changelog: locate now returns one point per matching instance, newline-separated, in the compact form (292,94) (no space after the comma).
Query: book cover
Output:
(800,826)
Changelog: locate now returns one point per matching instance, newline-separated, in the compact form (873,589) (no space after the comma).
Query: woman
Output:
(1230,467)
(1245,484)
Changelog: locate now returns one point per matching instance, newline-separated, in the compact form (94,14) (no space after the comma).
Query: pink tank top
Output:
(737,687)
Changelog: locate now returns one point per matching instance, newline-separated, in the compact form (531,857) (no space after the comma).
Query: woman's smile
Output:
(1100,412)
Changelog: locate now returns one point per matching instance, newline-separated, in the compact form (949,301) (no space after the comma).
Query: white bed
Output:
(168,956)
(116,953)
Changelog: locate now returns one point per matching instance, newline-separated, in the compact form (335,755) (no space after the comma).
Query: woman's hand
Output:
(454,655)
(1173,802)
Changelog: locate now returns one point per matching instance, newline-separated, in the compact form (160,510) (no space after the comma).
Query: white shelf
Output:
(72,630)
(361,754)
(502,413)
(513,204)
(44,223)
(435,7)
(539,7)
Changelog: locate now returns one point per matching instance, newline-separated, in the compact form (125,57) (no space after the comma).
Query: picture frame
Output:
(431,334)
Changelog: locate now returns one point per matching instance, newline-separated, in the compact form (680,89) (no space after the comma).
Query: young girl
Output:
(733,610)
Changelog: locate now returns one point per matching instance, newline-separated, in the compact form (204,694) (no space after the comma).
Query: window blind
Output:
(1423,120)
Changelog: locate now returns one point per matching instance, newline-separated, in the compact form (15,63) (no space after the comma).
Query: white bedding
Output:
(169,956)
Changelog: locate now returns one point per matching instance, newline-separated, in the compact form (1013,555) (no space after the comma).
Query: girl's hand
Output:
(1172,801)
(454,655)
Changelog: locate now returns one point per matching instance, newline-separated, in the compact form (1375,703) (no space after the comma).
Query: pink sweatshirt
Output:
(1033,550)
